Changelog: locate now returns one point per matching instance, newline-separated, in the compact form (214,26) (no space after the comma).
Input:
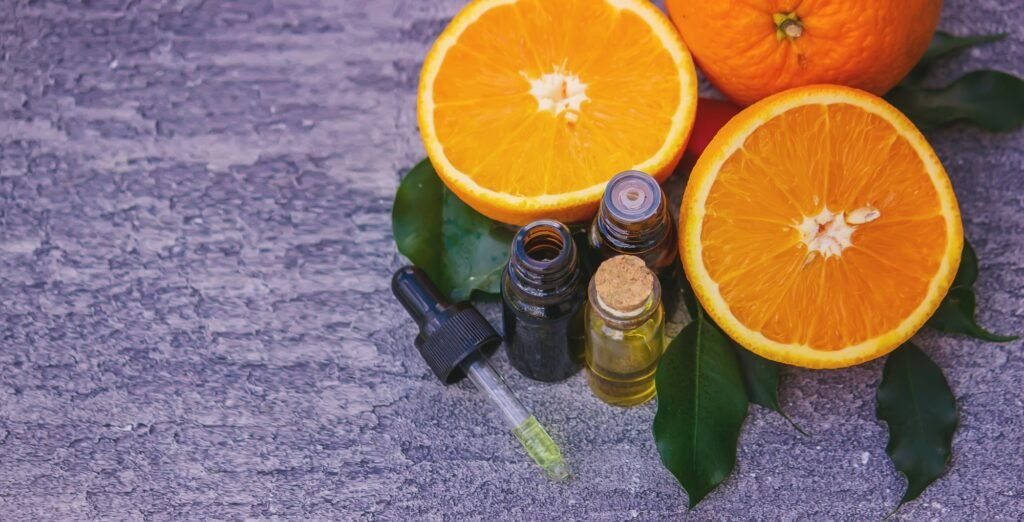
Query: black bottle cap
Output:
(449,334)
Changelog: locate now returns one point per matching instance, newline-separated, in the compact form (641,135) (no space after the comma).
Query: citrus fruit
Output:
(750,49)
(819,228)
(528,107)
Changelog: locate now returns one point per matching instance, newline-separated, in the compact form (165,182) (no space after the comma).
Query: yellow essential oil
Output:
(541,448)
(625,331)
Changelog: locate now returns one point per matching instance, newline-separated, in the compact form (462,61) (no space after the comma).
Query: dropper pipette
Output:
(455,341)
(525,426)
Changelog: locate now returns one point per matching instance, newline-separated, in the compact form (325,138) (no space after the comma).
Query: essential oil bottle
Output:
(625,331)
(634,220)
(544,297)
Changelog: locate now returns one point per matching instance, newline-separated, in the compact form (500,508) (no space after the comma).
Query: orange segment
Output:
(528,107)
(819,228)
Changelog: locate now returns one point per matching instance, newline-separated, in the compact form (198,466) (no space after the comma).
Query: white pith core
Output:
(559,92)
(828,233)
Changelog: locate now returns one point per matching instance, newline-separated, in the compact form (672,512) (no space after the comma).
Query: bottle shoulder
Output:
(522,301)
(657,255)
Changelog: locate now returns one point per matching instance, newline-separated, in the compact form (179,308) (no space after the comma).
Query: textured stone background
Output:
(196,322)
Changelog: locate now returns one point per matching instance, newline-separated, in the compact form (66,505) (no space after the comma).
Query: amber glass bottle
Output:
(634,220)
(544,294)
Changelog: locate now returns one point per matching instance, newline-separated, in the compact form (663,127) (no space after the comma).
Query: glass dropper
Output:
(455,341)
(530,433)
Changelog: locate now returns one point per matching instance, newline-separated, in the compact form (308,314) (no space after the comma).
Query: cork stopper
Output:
(624,283)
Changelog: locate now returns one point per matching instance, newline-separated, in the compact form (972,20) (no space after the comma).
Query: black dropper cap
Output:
(449,334)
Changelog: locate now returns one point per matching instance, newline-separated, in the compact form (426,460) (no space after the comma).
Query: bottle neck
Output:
(543,266)
(634,237)
(634,219)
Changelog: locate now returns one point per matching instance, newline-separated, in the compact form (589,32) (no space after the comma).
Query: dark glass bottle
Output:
(634,220)
(544,293)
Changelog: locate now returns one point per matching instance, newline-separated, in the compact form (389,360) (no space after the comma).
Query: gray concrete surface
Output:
(196,323)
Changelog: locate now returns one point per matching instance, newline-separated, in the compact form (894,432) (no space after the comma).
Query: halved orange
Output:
(819,228)
(528,107)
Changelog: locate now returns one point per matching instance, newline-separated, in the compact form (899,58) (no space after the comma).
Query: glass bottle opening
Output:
(633,196)
(544,246)
(543,263)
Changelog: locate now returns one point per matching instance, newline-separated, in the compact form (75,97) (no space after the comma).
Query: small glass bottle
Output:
(625,331)
(634,220)
(544,297)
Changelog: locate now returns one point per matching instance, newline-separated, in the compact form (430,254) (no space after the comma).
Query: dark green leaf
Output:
(701,407)
(475,248)
(956,315)
(956,312)
(945,43)
(761,377)
(967,273)
(914,399)
(459,248)
(991,99)
(416,218)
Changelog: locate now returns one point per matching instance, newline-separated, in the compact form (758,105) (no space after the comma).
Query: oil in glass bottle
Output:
(625,331)
(544,297)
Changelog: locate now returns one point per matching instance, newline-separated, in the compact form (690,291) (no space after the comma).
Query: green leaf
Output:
(459,248)
(416,218)
(914,399)
(760,375)
(761,378)
(943,44)
(967,272)
(992,100)
(956,313)
(701,407)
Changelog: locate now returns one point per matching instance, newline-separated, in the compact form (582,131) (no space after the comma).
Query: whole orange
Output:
(751,49)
